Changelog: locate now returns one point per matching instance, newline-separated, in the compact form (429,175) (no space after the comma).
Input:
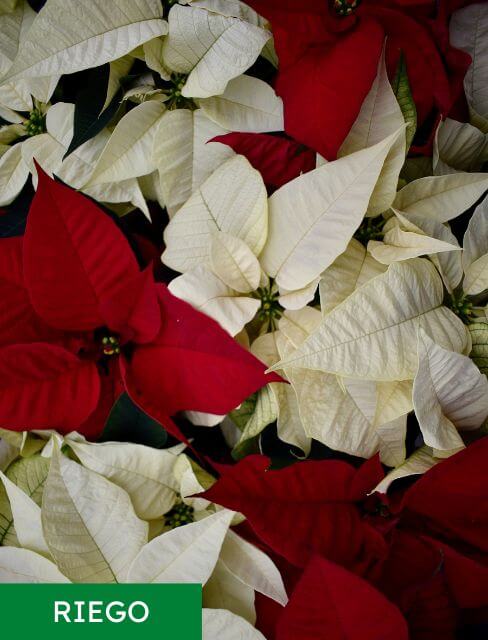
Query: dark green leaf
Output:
(403,93)
(89,118)
(128,423)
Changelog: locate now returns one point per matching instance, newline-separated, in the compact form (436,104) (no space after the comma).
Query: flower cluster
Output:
(270,218)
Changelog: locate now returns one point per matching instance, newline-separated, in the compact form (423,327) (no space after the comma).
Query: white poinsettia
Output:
(154,530)
(458,146)
(210,48)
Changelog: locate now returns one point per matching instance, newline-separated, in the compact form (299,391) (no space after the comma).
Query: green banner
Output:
(51,611)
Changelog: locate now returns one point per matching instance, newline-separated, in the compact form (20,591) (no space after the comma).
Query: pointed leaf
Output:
(222,624)
(333,200)
(89,524)
(24,566)
(211,48)
(234,262)
(184,554)
(67,36)
(233,200)
(373,334)
(74,257)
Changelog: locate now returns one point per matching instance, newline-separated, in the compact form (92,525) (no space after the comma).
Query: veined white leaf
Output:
(449,393)
(391,436)
(25,566)
(296,300)
(185,554)
(8,453)
(380,116)
(419,462)
(68,35)
(442,197)
(192,480)
(296,326)
(233,200)
(182,155)
(234,263)
(12,23)
(265,412)
(247,104)
(394,399)
(209,294)
(13,174)
(348,272)
(230,8)
(46,150)
(223,590)
(400,244)
(145,473)
(118,69)
(27,517)
(128,153)
(224,625)
(332,201)
(373,333)
(458,146)
(89,523)
(253,567)
(475,258)
(469,32)
(211,48)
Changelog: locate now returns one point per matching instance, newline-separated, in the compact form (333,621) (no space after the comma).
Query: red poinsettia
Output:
(329,52)
(428,556)
(80,323)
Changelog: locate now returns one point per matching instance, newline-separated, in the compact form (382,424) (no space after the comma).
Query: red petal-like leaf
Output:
(133,309)
(45,387)
(277,159)
(74,257)
(450,501)
(330,603)
(18,320)
(304,509)
(324,90)
(193,364)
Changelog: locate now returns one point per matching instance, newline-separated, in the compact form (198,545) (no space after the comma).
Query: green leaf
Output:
(128,423)
(29,474)
(89,118)
(479,352)
(242,414)
(403,93)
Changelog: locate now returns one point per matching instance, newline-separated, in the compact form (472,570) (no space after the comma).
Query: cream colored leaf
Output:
(46,150)
(380,116)
(233,200)
(27,517)
(25,566)
(118,69)
(12,23)
(449,393)
(224,625)
(442,197)
(458,145)
(253,567)
(265,412)
(89,523)
(419,462)
(296,300)
(399,244)
(348,272)
(234,263)
(230,8)
(8,453)
(373,333)
(332,201)
(211,48)
(68,35)
(475,260)
(224,590)
(182,155)
(128,153)
(391,436)
(248,105)
(209,294)
(469,32)
(394,399)
(13,174)
(185,554)
(145,473)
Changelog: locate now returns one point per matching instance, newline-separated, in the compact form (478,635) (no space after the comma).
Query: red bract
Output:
(328,60)
(277,159)
(428,559)
(306,509)
(330,603)
(80,321)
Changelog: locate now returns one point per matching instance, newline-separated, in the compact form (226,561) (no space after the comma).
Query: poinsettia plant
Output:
(261,229)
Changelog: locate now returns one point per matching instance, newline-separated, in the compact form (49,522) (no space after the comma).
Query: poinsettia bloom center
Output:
(346,7)
(179,515)
(36,123)
(110,346)
(270,308)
